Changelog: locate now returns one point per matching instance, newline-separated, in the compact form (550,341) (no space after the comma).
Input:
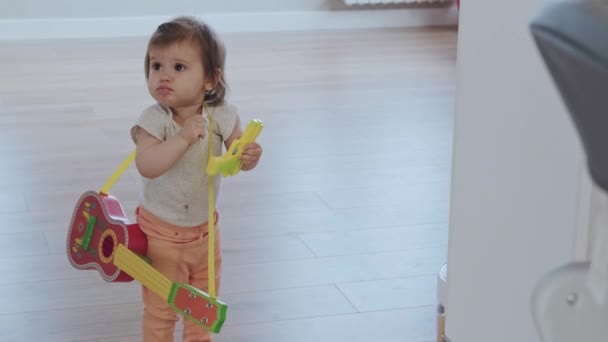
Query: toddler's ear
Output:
(213,79)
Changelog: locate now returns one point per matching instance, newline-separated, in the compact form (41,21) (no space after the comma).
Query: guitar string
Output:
(146,281)
(150,276)
(147,273)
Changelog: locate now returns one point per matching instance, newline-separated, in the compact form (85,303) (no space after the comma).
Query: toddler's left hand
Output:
(250,156)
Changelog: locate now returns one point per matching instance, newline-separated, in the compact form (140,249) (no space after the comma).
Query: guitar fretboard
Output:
(141,271)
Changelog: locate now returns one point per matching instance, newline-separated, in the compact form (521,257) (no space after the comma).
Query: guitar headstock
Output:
(198,307)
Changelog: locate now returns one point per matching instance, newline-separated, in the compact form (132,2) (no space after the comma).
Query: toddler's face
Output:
(176,75)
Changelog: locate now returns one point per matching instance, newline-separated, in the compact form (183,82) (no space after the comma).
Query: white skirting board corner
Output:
(58,28)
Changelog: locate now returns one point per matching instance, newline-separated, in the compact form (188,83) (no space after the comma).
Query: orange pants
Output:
(180,253)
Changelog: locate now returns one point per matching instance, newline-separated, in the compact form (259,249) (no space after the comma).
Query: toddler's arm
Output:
(153,157)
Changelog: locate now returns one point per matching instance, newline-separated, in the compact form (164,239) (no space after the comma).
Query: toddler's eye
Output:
(180,67)
(155,66)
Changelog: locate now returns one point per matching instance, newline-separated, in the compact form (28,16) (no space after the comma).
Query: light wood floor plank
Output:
(375,240)
(396,293)
(319,271)
(413,325)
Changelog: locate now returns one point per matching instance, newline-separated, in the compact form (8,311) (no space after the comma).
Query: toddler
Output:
(184,68)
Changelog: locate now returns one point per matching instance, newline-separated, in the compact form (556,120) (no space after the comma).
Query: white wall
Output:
(57,19)
(21,9)
(519,186)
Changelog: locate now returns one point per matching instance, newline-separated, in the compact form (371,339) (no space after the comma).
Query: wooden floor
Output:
(337,236)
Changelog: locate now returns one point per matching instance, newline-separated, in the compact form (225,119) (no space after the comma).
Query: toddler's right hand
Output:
(195,127)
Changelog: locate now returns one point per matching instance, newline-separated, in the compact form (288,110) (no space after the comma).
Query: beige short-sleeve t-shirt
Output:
(180,195)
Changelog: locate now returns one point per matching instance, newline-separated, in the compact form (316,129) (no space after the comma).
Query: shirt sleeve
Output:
(224,120)
(153,120)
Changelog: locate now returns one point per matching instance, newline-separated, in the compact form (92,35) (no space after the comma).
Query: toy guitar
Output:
(100,237)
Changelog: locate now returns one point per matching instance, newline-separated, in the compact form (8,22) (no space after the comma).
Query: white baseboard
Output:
(56,28)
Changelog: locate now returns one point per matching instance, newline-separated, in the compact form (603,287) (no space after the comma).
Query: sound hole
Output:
(108,246)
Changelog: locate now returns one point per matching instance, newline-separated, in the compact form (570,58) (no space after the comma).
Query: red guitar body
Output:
(98,225)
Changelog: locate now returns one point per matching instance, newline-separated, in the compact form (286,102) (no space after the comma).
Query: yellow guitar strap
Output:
(105,190)
(211,218)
